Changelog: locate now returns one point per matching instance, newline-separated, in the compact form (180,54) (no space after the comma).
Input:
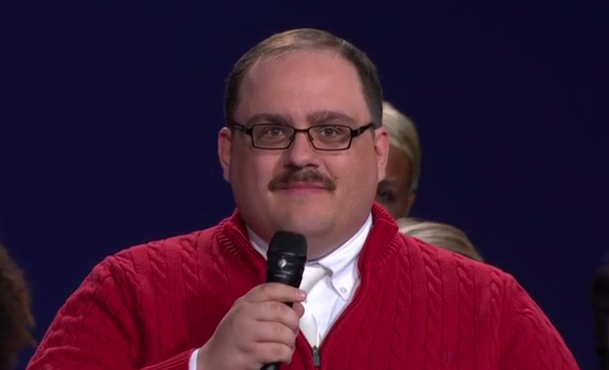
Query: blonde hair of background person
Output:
(396,192)
(441,235)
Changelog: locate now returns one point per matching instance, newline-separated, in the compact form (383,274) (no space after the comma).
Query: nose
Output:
(301,153)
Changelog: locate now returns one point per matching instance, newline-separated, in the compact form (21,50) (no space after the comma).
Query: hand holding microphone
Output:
(261,327)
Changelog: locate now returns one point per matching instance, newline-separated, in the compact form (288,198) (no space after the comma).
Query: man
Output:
(303,150)
(396,192)
(15,315)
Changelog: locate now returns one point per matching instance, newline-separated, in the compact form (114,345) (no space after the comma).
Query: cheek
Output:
(401,205)
(250,172)
(393,210)
(360,175)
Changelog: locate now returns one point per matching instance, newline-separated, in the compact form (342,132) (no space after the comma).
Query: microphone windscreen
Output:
(288,242)
(286,258)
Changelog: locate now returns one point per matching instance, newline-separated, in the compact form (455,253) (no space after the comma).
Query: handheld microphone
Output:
(285,263)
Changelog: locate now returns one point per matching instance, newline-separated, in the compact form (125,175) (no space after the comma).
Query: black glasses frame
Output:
(353,133)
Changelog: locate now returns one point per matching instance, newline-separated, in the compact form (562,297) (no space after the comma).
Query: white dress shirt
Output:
(327,299)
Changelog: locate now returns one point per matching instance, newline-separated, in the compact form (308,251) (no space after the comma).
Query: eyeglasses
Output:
(273,136)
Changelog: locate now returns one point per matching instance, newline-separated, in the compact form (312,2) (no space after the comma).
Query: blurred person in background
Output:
(441,235)
(396,192)
(15,315)
(600,308)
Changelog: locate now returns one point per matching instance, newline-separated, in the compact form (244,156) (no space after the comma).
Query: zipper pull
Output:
(315,355)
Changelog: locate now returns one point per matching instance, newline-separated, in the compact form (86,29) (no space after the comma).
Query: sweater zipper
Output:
(315,350)
(315,357)
(311,329)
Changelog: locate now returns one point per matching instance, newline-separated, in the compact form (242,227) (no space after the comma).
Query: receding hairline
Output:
(303,39)
(285,43)
(277,55)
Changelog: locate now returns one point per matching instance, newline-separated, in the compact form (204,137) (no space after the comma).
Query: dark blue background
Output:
(109,114)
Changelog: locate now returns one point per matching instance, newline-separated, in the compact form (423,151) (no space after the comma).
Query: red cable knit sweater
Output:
(418,307)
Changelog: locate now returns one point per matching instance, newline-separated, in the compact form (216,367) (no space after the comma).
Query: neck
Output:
(379,246)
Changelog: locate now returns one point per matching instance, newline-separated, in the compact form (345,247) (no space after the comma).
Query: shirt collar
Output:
(334,261)
(343,256)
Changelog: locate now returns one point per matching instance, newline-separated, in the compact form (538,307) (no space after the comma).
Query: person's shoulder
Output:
(172,256)
(185,245)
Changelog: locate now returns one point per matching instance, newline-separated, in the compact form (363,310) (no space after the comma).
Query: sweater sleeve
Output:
(98,328)
(530,341)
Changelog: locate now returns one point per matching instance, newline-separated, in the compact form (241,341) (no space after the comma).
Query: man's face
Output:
(394,192)
(325,195)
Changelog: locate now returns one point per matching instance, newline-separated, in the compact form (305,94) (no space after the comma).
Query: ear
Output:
(225,143)
(381,148)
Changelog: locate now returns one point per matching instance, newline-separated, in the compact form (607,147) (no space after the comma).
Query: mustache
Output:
(310,176)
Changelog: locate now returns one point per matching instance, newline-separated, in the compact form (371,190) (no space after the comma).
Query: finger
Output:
(275,312)
(299,309)
(275,292)
(267,353)
(274,332)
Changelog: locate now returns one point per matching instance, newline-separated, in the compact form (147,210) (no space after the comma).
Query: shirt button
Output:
(343,290)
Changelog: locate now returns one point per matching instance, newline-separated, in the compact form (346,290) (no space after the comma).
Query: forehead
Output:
(398,166)
(300,83)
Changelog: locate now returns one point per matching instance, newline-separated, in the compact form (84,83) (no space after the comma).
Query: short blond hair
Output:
(403,136)
(441,235)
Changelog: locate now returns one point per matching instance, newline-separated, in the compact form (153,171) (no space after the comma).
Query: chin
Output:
(305,222)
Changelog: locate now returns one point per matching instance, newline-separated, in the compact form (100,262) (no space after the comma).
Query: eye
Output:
(274,131)
(384,195)
(271,133)
(329,132)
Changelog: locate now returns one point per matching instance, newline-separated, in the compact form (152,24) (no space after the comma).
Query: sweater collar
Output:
(377,248)
(337,260)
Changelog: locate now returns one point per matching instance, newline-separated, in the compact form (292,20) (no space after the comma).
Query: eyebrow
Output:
(315,118)
(386,182)
(269,118)
(393,184)
(324,116)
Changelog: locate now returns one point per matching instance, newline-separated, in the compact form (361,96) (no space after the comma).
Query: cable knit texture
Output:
(417,307)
